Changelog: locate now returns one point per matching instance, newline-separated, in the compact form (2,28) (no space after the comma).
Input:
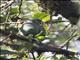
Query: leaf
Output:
(40,37)
(2,18)
(14,10)
(46,19)
(41,15)
(46,27)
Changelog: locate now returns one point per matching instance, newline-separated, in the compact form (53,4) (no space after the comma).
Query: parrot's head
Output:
(37,21)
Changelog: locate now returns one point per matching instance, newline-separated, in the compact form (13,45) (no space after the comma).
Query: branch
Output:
(3,58)
(4,23)
(57,21)
(20,6)
(47,48)
(4,6)
(69,39)
(12,36)
(39,47)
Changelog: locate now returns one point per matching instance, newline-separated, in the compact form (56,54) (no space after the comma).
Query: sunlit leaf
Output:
(46,19)
(43,16)
(40,37)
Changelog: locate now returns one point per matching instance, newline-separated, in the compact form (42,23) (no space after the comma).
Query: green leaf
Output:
(40,38)
(2,18)
(14,10)
(46,19)
(41,15)
(46,27)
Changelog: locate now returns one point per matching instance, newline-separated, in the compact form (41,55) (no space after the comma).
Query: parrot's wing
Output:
(26,29)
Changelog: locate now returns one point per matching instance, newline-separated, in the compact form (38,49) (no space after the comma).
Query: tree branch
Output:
(39,47)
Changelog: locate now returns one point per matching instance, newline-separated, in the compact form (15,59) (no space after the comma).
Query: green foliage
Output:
(2,18)
(40,37)
(19,49)
(14,10)
(42,15)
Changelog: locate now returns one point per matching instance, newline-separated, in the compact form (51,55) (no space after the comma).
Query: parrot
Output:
(33,27)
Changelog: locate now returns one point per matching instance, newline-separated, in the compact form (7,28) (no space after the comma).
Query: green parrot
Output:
(33,27)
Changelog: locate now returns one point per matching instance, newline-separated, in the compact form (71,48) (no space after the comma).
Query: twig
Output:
(33,56)
(6,37)
(7,5)
(65,27)
(20,6)
(46,48)
(59,21)
(70,38)
(50,26)
(11,23)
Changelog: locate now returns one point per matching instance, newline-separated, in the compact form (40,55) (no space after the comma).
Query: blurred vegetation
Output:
(59,32)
